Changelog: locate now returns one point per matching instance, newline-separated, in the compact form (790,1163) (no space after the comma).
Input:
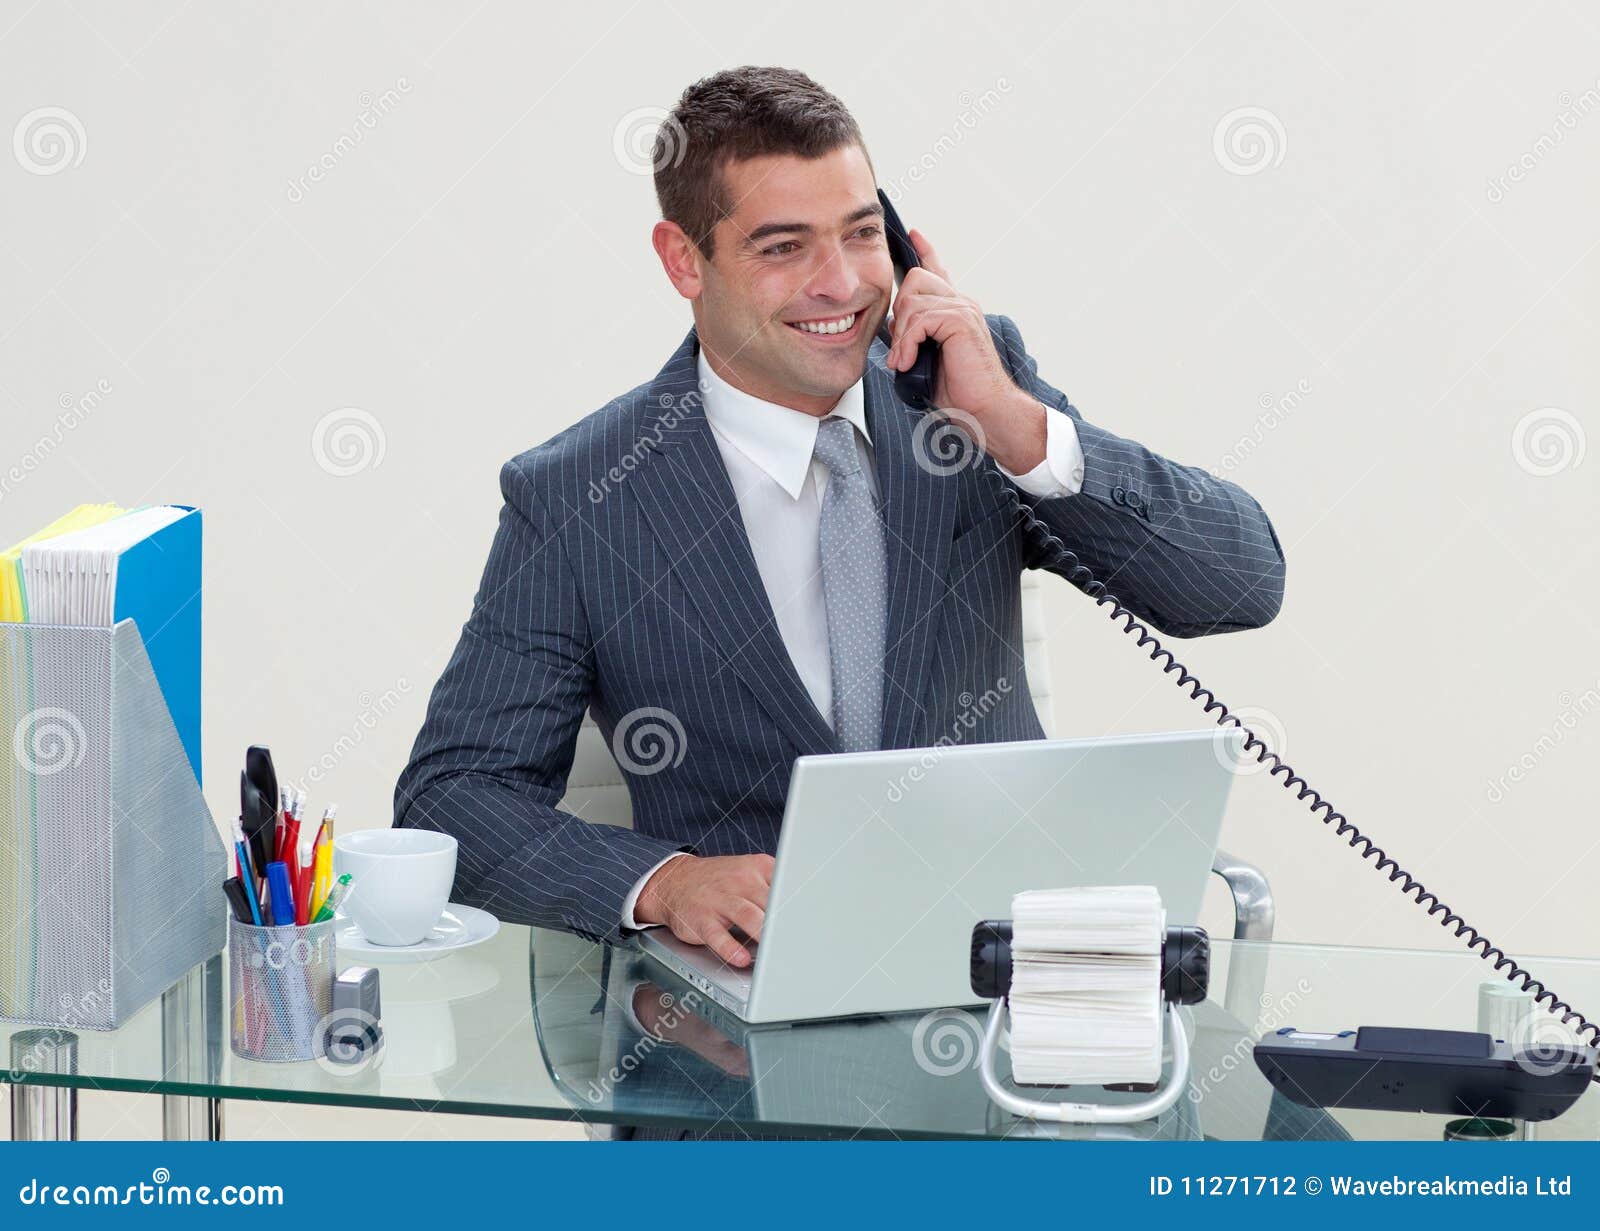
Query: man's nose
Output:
(834,278)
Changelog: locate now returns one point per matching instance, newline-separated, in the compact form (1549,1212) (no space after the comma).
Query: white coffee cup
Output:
(399,881)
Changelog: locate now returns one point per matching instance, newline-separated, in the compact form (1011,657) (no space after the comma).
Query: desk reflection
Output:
(628,1042)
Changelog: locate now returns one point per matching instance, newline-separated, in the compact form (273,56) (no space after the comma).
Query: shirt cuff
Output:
(632,900)
(629,989)
(632,1018)
(1061,472)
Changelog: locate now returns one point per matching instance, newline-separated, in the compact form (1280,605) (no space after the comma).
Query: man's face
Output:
(803,251)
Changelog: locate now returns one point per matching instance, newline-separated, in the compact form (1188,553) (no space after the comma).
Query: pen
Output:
(248,877)
(284,815)
(291,847)
(331,903)
(282,895)
(237,902)
(263,1017)
(302,885)
(296,810)
(322,878)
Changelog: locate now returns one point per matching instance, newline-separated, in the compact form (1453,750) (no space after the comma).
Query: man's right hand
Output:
(700,898)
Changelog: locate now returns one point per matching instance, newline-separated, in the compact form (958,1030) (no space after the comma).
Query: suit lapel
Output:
(691,508)
(918,512)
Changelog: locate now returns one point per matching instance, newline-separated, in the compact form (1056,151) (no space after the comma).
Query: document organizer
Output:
(110,863)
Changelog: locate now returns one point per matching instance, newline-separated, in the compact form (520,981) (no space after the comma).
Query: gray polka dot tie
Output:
(853,580)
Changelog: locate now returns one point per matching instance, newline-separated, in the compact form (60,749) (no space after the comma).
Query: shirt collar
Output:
(778,439)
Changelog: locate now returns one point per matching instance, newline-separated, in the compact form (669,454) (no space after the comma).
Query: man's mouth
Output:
(829,328)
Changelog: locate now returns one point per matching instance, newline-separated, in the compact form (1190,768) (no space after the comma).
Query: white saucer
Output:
(460,927)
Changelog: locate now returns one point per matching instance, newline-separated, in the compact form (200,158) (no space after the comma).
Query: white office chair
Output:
(596,791)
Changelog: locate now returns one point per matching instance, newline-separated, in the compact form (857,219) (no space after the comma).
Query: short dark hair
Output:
(733,115)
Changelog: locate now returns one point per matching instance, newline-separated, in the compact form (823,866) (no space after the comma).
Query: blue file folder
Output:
(158,588)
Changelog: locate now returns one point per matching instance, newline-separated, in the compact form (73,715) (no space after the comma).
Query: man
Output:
(763,553)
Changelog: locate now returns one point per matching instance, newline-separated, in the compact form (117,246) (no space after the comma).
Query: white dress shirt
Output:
(767,450)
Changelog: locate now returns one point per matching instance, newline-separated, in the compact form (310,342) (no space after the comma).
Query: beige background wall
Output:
(321,268)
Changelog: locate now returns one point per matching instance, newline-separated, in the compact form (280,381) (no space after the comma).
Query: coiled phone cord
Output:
(1080,575)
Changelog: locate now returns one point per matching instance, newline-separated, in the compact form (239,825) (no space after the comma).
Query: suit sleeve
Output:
(1188,553)
(492,758)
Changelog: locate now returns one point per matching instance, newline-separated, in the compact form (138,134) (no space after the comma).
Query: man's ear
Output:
(679,258)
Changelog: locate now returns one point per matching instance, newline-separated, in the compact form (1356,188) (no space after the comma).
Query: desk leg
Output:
(190,1119)
(1253,918)
(44,1113)
(191,1050)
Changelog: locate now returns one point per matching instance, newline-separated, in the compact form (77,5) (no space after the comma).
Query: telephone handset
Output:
(916,386)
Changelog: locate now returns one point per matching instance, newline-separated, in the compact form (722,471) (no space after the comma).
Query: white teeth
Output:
(842,325)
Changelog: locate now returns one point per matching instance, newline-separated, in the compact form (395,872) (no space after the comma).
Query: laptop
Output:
(887,859)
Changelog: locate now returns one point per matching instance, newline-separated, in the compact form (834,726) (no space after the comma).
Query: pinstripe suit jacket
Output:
(621,579)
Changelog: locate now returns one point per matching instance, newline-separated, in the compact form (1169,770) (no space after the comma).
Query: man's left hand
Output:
(667,1018)
(972,376)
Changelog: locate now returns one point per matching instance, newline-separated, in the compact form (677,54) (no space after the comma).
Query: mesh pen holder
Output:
(280,989)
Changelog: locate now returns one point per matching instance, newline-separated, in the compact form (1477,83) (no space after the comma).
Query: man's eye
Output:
(870,231)
(782,249)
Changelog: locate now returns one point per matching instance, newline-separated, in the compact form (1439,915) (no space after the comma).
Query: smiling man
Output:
(762,553)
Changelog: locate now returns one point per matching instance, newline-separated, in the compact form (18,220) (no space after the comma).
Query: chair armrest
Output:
(1253,911)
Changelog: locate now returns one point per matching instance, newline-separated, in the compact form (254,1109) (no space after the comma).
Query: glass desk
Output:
(545,1025)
